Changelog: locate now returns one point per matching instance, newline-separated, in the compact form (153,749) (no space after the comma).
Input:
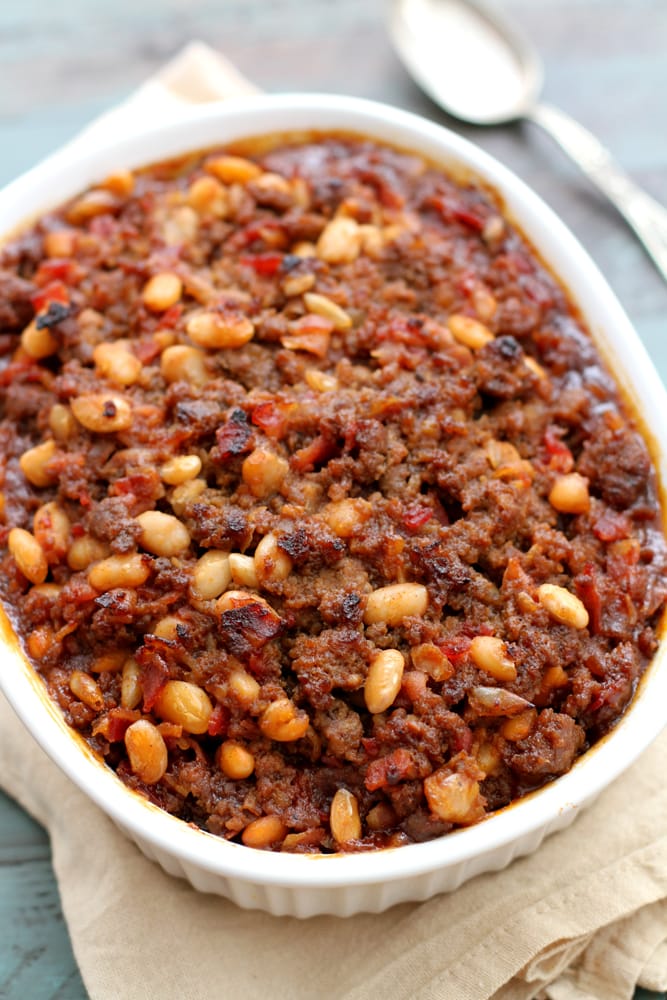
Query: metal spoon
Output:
(477,67)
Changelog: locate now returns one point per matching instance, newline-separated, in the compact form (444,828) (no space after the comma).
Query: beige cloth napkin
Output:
(584,918)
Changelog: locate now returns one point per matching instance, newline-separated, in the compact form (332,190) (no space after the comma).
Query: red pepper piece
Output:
(58,269)
(266,264)
(171,317)
(55,291)
(415,517)
(560,456)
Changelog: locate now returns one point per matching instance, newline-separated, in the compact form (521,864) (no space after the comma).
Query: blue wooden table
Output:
(62,64)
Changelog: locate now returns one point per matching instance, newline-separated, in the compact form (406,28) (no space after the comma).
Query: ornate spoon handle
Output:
(643,213)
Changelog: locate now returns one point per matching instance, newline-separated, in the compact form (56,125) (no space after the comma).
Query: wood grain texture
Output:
(36,960)
(63,63)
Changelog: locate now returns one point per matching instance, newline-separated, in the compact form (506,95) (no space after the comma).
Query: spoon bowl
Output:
(479,68)
(470,61)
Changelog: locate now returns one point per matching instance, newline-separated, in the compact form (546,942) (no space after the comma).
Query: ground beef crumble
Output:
(321,519)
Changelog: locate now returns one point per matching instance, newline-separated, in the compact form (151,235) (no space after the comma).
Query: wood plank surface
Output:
(36,960)
(63,63)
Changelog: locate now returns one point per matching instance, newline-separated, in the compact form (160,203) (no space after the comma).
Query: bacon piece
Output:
(588,590)
(400,765)
(154,670)
(309,333)
(114,724)
(26,368)
(140,488)
(271,418)
(219,720)
(234,437)
(612,527)
(456,648)
(453,211)
(317,452)
(249,627)
(268,231)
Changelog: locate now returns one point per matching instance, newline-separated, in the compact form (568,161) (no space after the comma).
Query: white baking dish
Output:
(345,884)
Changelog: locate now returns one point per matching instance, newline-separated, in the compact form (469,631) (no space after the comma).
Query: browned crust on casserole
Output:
(322,519)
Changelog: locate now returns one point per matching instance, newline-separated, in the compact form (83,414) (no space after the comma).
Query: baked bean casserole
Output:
(322,520)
